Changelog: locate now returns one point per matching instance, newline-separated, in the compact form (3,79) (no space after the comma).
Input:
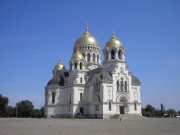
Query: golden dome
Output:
(113,41)
(77,56)
(86,39)
(59,66)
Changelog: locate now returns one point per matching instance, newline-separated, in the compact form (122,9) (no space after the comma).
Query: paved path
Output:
(152,126)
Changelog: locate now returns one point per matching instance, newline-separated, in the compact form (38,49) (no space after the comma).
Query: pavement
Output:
(149,126)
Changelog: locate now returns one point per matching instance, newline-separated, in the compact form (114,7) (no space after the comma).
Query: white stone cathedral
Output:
(90,89)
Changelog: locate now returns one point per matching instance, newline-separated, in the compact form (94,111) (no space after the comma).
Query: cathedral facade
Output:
(90,89)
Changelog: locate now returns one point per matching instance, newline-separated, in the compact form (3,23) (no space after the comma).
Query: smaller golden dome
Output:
(113,41)
(77,55)
(59,66)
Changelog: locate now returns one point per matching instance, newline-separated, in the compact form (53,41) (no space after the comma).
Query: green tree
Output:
(159,113)
(146,114)
(38,113)
(42,111)
(171,112)
(150,109)
(25,108)
(11,111)
(3,105)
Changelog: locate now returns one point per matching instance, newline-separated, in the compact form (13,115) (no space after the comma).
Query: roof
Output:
(58,79)
(135,81)
(103,74)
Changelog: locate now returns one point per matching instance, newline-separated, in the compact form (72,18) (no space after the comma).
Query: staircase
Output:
(127,116)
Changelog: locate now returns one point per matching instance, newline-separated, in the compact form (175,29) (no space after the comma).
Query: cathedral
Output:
(91,89)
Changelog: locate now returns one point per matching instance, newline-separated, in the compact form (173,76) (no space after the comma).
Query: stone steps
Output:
(127,116)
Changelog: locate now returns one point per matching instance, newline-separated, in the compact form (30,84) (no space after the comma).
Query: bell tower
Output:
(114,52)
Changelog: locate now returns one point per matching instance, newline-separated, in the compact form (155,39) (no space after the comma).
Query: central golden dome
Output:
(86,39)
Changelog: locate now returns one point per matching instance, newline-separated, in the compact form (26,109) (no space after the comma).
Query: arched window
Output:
(53,97)
(80,96)
(97,85)
(61,82)
(70,98)
(81,65)
(135,107)
(109,106)
(94,57)
(94,86)
(123,100)
(83,54)
(88,57)
(96,107)
(119,54)
(81,80)
(97,58)
(117,85)
(113,54)
(75,65)
(122,84)
(125,85)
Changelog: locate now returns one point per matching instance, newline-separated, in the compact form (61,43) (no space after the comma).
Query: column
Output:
(109,55)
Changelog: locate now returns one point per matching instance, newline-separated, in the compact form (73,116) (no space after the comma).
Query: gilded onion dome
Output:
(77,55)
(59,66)
(113,41)
(86,39)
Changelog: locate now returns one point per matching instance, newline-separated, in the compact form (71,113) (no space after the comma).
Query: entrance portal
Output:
(81,110)
(121,110)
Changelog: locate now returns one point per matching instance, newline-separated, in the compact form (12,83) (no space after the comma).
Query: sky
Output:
(35,34)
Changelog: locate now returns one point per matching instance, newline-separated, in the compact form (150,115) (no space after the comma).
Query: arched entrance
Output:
(121,110)
(81,111)
(96,103)
(122,106)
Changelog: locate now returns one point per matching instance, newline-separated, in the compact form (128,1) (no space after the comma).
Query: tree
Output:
(11,111)
(171,112)
(38,113)
(25,108)
(150,109)
(42,111)
(3,105)
(159,113)
(146,114)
